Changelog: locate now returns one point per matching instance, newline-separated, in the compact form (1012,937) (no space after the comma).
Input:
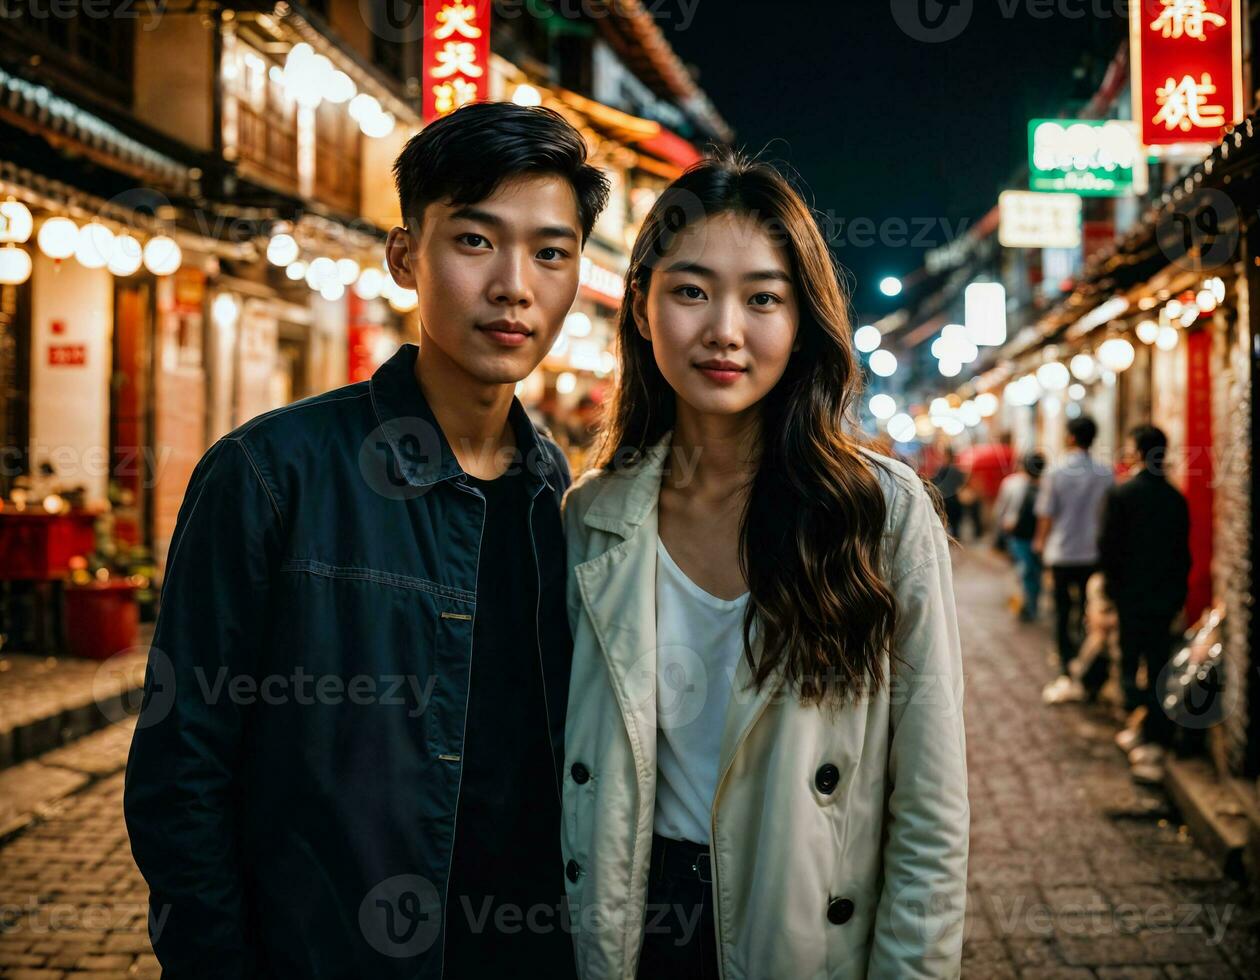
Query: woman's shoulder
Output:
(913,530)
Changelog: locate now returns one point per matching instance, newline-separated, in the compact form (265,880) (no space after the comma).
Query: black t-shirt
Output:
(506,858)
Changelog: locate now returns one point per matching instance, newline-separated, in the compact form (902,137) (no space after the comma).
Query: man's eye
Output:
(552,254)
(473,240)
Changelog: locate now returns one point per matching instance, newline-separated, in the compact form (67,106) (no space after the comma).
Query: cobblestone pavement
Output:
(1075,873)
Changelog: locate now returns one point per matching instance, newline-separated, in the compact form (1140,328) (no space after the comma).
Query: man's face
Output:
(494,279)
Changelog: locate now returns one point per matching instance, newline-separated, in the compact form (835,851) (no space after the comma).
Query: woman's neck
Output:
(713,456)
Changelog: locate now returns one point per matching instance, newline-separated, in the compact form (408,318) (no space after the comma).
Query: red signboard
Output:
(67,354)
(1187,69)
(456,55)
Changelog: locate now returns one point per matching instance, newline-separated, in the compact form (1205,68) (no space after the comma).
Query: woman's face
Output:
(721,312)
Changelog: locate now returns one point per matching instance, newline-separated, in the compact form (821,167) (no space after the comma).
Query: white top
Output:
(699,640)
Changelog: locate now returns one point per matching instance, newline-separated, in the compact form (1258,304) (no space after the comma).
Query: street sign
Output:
(1186,60)
(1090,157)
(1028,219)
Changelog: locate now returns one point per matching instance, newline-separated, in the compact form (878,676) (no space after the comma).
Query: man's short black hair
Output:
(1035,464)
(1083,430)
(464,157)
(1152,446)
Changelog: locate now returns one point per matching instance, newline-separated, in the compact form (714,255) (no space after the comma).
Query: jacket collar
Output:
(618,588)
(420,446)
(627,496)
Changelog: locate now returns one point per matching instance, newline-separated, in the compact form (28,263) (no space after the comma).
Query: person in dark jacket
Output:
(347,762)
(1144,555)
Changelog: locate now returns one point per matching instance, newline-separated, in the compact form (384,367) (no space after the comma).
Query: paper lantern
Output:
(16,222)
(58,238)
(15,265)
(162,255)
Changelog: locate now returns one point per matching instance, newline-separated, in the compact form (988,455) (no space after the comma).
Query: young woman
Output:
(764,763)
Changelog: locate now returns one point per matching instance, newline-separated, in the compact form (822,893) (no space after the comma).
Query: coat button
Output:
(572,870)
(827,778)
(839,911)
(579,773)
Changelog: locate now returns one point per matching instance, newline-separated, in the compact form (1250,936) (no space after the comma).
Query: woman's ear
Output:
(638,310)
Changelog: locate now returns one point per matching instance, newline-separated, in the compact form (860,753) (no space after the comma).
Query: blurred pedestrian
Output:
(949,480)
(1016,512)
(1069,508)
(1144,551)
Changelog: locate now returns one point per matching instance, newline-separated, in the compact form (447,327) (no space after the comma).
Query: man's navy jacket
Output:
(292,785)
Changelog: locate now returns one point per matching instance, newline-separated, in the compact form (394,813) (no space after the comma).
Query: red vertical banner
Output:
(361,339)
(456,55)
(1186,58)
(1199,478)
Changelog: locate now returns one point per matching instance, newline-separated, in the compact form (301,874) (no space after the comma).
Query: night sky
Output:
(883,125)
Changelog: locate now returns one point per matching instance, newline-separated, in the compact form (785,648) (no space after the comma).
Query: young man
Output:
(1144,552)
(1069,506)
(348,759)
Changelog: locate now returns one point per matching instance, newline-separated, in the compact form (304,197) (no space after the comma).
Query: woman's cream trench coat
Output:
(891,836)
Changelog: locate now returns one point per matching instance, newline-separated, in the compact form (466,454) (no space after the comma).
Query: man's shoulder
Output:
(309,416)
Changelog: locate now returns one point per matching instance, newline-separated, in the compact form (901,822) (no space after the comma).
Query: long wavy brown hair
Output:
(811,530)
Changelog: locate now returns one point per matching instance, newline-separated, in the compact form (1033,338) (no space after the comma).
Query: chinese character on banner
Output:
(1187,69)
(456,54)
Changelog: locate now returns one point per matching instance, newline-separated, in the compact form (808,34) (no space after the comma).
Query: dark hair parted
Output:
(462,158)
(810,535)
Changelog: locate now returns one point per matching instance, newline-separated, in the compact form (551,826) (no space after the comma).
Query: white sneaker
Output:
(1128,739)
(1062,690)
(1147,754)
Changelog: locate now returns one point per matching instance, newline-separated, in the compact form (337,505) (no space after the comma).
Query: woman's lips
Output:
(721,375)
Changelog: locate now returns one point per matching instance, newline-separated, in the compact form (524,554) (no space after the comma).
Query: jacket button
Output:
(827,778)
(839,911)
(580,773)
(572,870)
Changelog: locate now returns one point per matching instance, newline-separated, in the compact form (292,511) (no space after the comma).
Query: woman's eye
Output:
(473,240)
(765,299)
(690,292)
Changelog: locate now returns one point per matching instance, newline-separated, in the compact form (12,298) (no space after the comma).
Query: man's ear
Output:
(398,256)
(638,309)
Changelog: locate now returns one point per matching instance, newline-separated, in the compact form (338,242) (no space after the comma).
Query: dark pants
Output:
(1146,637)
(1069,609)
(679,939)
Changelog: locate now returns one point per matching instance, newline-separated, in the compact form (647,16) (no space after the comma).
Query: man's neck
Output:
(472,414)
